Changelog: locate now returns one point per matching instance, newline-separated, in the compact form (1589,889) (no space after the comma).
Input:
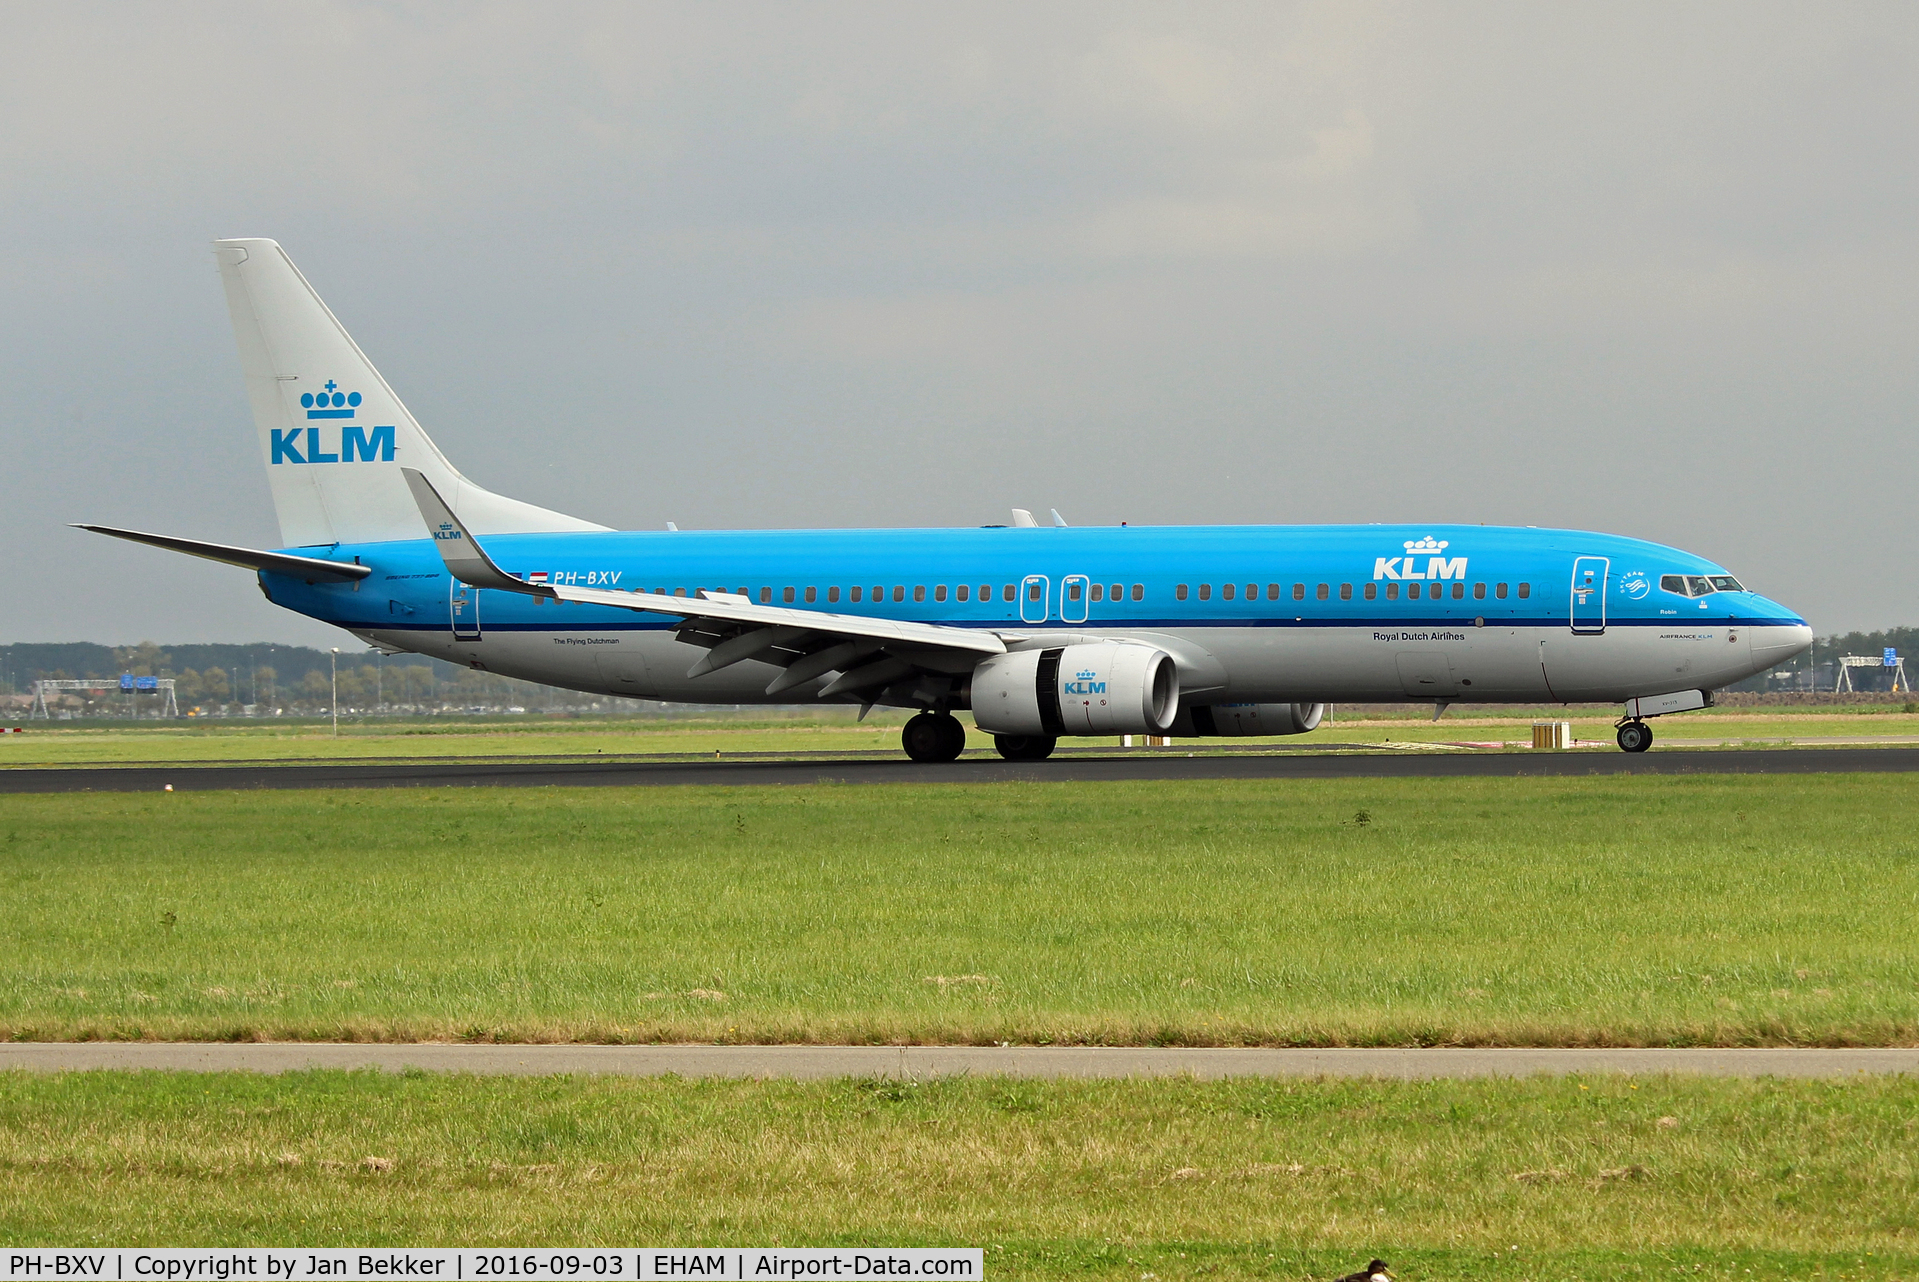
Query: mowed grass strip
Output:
(1547,1177)
(1617,911)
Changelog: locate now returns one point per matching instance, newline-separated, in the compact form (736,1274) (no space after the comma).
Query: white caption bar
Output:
(623,1264)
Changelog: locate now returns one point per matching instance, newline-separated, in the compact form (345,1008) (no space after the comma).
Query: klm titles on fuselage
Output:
(1438,565)
(351,443)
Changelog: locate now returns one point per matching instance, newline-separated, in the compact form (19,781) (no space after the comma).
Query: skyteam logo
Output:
(349,443)
(1085,682)
(1430,550)
(1635,586)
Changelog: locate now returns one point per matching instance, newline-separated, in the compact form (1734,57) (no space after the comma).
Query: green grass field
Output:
(1593,1178)
(1633,910)
(833,731)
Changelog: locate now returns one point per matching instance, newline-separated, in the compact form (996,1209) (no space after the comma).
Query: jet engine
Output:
(1077,689)
(1204,721)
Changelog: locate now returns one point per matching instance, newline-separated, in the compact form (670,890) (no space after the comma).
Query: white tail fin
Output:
(332,433)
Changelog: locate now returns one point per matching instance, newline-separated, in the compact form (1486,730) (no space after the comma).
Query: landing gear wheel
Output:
(1025,747)
(933,736)
(1635,736)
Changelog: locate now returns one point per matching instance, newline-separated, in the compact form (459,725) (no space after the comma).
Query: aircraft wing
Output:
(311,568)
(868,654)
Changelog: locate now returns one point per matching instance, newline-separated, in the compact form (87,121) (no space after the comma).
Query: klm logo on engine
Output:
(1083,683)
(347,443)
(1430,550)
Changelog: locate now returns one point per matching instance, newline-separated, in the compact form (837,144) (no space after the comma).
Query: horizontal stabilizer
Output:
(311,568)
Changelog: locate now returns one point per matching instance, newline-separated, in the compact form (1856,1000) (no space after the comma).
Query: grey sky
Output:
(1649,269)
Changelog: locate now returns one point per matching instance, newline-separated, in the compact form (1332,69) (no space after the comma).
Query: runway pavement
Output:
(1290,764)
(811,1062)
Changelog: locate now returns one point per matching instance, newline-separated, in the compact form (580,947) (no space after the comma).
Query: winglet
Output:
(465,559)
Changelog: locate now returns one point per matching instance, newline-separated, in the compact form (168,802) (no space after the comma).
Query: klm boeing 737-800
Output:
(1039,631)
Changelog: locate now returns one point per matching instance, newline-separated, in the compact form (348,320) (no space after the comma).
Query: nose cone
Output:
(1777,643)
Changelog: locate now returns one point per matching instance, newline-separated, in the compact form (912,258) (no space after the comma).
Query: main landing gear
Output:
(934,736)
(1025,747)
(1634,736)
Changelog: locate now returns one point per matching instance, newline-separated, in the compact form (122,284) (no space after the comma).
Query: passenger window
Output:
(1179,592)
(1479,591)
(832,596)
(1499,590)
(963,592)
(1322,592)
(1392,592)
(1118,591)
(1205,591)
(1272,591)
(919,591)
(679,591)
(1035,591)
(1299,591)
(1072,590)
(1226,592)
(1011,593)
(1139,592)
(1099,592)
(786,595)
(879,593)
(766,595)
(939,592)
(1412,592)
(1372,590)
(986,592)
(856,593)
(899,592)
(812,595)
(1459,591)
(1345,591)
(1525,590)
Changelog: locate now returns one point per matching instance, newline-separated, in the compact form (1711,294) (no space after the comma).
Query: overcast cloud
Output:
(1647,269)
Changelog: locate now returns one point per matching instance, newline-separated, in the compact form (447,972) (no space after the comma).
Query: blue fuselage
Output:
(1262,612)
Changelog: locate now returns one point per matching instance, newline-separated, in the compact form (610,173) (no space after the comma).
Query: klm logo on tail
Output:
(350,443)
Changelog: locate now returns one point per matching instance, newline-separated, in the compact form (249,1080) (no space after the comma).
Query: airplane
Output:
(1040,631)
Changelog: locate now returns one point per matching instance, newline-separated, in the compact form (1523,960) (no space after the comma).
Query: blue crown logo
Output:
(330,403)
(1087,675)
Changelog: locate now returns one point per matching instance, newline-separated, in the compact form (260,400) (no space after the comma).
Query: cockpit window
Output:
(1698,584)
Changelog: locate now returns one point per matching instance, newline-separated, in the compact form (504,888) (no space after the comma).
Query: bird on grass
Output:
(1374,1272)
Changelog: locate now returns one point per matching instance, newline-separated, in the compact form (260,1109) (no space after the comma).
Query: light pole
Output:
(333,661)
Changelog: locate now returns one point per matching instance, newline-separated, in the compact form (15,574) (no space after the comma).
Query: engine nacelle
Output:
(1238,719)
(1077,689)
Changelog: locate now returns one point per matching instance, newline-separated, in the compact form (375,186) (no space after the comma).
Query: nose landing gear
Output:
(934,736)
(1634,736)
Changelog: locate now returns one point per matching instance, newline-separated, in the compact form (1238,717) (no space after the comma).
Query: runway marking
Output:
(1073,769)
(815,1062)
